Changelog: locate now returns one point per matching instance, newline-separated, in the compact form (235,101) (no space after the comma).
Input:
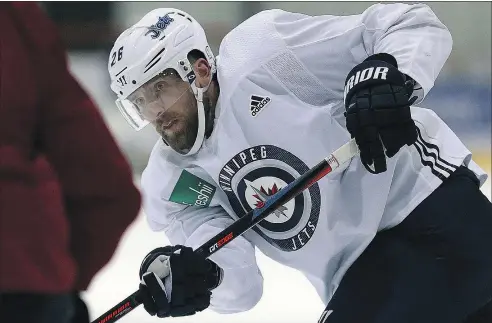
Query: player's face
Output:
(178,126)
(168,103)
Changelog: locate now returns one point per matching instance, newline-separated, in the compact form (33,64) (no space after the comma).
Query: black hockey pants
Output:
(434,267)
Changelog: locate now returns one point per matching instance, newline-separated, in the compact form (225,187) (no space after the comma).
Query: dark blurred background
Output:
(461,96)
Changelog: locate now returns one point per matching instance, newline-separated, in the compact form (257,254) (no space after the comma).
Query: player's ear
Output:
(202,71)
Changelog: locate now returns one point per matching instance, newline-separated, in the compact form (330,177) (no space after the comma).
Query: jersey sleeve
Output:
(329,46)
(242,284)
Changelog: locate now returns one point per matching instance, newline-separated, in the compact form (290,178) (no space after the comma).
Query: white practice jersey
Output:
(280,112)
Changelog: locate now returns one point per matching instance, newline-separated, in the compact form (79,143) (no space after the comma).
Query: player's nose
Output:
(154,109)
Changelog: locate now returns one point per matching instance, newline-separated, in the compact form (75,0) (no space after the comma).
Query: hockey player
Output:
(400,234)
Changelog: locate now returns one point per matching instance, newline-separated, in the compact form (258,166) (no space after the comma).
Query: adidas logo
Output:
(258,103)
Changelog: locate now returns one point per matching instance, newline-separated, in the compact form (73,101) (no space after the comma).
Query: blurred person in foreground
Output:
(66,191)
(402,233)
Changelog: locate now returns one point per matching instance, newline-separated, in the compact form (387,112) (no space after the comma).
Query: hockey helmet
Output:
(159,42)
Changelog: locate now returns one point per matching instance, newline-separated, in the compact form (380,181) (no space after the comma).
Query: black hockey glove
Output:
(175,281)
(377,103)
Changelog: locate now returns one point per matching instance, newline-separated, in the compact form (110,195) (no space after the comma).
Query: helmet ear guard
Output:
(161,40)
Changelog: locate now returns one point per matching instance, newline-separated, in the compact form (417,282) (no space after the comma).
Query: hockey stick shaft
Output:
(243,224)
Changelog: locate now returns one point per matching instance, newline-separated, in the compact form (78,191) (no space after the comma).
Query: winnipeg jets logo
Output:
(253,175)
(159,26)
(261,195)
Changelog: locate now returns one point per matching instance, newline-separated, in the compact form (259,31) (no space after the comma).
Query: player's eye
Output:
(161,86)
(139,102)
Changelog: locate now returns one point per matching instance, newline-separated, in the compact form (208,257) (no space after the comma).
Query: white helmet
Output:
(161,40)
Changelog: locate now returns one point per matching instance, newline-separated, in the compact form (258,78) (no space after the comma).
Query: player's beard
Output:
(182,134)
(181,137)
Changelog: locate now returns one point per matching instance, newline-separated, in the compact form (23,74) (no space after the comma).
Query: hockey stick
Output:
(326,166)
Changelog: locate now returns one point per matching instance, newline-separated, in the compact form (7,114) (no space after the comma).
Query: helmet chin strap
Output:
(200,135)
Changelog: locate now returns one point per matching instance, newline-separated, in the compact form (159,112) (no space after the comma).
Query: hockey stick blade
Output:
(339,157)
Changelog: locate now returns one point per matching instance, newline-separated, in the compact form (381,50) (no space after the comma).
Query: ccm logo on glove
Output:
(376,73)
